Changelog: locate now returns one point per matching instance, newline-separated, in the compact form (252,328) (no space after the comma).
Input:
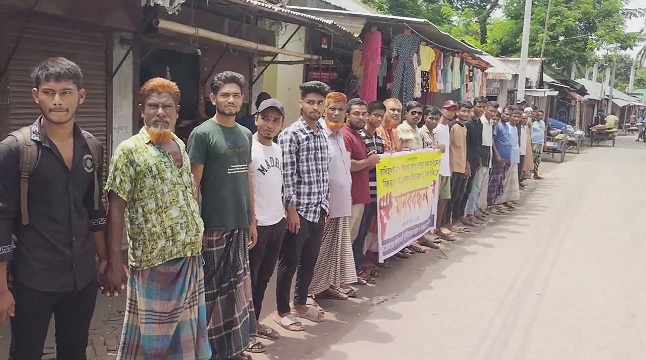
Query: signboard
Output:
(407,184)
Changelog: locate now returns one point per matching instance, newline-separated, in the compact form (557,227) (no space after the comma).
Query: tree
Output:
(576,29)
(436,12)
(480,12)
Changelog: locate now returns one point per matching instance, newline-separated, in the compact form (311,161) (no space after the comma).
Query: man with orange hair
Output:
(335,269)
(150,185)
(388,129)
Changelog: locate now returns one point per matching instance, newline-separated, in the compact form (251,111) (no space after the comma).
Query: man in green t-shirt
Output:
(220,153)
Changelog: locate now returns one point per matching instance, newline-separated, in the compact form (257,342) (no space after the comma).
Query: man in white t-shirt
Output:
(267,177)
(443,138)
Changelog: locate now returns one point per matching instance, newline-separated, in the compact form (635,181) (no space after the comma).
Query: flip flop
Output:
(417,248)
(256,347)
(266,332)
(312,314)
(332,294)
(289,322)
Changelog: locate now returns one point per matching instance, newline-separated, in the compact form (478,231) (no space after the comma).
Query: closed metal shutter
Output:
(39,42)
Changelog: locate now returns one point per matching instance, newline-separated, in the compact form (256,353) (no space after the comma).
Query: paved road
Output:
(560,279)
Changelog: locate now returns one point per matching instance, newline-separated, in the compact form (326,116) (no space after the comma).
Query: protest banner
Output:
(406,198)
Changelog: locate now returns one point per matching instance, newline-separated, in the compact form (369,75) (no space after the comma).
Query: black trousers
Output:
(458,186)
(369,212)
(263,258)
(465,195)
(521,165)
(72,312)
(299,252)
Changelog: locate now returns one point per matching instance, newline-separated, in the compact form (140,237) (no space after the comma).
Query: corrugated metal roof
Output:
(171,5)
(274,12)
(355,22)
(534,68)
(498,70)
(598,90)
(352,5)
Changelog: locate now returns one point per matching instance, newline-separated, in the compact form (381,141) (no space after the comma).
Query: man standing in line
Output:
(220,152)
(362,162)
(460,167)
(501,161)
(511,191)
(150,185)
(388,129)
(522,133)
(305,196)
(475,204)
(474,158)
(538,141)
(335,269)
(432,117)
(266,173)
(408,132)
(443,137)
(62,224)
(365,240)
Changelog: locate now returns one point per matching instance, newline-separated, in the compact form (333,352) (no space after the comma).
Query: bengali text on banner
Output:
(407,184)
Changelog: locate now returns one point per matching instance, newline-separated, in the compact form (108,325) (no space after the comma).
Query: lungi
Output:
(335,264)
(537,150)
(497,180)
(227,283)
(511,189)
(166,313)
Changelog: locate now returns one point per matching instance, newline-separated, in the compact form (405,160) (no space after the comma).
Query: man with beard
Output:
(361,162)
(266,173)
(335,269)
(387,131)
(220,152)
(511,191)
(150,185)
(408,132)
(501,161)
(366,239)
(305,196)
(61,228)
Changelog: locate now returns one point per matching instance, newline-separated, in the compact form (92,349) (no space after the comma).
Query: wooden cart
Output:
(599,135)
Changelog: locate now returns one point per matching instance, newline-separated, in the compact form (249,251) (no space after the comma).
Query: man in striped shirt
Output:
(374,145)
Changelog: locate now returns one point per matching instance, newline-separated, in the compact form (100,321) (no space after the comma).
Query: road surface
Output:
(562,278)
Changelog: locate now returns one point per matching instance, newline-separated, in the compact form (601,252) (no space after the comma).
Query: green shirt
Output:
(225,153)
(162,216)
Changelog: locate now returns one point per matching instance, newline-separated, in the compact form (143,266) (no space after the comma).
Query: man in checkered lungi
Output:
(220,152)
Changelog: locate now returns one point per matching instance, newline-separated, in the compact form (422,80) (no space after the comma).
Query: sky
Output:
(635,24)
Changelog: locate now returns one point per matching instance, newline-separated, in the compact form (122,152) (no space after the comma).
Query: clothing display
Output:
(370,62)
(417,93)
(447,74)
(383,70)
(427,56)
(404,47)
(439,58)
(456,73)
(357,68)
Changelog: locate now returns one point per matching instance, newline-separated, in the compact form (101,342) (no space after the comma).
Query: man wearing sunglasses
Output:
(409,134)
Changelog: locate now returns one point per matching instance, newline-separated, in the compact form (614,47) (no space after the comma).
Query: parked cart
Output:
(557,146)
(599,134)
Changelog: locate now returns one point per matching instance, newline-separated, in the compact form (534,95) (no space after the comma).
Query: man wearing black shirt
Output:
(54,260)
(474,148)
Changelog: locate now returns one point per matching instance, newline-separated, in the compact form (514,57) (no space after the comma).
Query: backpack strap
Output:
(95,150)
(28,160)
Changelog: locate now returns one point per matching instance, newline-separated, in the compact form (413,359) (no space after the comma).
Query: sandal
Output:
(332,294)
(312,314)
(242,356)
(385,265)
(266,332)
(349,292)
(311,302)
(402,255)
(417,248)
(447,237)
(289,322)
(256,347)
(366,277)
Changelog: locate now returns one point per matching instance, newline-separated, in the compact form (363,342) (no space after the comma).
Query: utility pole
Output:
(595,72)
(612,86)
(547,19)
(631,83)
(524,50)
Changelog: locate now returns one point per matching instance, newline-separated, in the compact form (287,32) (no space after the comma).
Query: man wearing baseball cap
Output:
(267,177)
(441,133)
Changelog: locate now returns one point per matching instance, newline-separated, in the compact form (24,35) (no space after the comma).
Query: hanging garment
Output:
(352,87)
(427,55)
(463,80)
(456,73)
(383,70)
(440,67)
(418,78)
(447,74)
(370,61)
(433,72)
(425,81)
(404,47)
(357,69)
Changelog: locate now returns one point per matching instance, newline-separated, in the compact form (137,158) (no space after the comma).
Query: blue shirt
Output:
(502,140)
(515,147)
(538,132)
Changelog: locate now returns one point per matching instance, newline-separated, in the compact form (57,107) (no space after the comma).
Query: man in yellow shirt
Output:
(611,121)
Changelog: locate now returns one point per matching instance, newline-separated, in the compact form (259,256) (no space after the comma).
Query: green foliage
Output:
(438,13)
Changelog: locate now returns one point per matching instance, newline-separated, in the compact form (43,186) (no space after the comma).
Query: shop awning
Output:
(272,12)
(541,92)
(174,28)
(498,69)
(172,6)
(355,23)
(573,95)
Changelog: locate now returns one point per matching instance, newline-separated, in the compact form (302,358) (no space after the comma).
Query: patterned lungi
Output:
(537,150)
(165,313)
(511,189)
(227,279)
(335,264)
(497,180)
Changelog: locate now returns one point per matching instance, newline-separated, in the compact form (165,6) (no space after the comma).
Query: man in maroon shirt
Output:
(360,164)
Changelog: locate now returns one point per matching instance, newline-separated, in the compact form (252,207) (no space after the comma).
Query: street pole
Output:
(524,50)
(595,72)
(631,83)
(547,19)
(612,85)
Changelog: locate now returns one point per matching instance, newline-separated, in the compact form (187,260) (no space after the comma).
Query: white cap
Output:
(529,109)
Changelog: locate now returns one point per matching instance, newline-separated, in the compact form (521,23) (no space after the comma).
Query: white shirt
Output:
(442,136)
(267,176)
(487,132)
(339,173)
(523,140)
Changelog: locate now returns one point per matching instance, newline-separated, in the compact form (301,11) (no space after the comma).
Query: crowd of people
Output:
(209,222)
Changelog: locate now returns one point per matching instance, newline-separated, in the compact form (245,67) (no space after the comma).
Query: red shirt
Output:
(360,179)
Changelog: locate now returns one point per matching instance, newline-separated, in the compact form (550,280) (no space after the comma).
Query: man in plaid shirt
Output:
(305,194)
